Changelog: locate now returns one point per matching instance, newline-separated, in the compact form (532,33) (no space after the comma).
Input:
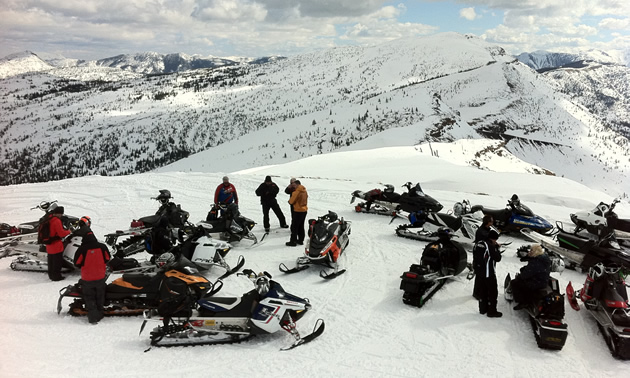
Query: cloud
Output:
(615,23)
(229,10)
(468,13)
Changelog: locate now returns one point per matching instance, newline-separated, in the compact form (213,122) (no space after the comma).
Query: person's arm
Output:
(235,195)
(216,194)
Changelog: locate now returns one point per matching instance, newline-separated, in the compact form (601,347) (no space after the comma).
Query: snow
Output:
(369,331)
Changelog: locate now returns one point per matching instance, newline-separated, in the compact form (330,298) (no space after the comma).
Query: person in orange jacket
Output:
(92,257)
(299,202)
(55,245)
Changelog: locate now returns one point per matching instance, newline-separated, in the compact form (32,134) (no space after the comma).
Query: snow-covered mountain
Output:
(541,60)
(433,89)
(369,331)
(16,64)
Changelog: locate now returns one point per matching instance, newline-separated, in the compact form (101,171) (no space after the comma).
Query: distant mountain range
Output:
(545,60)
(143,63)
(86,119)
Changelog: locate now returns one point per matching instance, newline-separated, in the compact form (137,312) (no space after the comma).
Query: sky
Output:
(95,29)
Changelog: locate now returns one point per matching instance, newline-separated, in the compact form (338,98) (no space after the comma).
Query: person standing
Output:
(485,256)
(92,258)
(299,203)
(289,190)
(51,232)
(225,193)
(481,234)
(267,191)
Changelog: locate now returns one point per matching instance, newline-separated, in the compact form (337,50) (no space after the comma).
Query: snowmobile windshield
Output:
(320,232)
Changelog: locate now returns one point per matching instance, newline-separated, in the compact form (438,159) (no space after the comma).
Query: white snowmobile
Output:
(602,221)
(22,239)
(220,320)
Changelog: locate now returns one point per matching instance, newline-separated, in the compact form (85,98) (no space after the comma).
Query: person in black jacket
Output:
(161,238)
(482,234)
(533,276)
(267,191)
(485,256)
(92,258)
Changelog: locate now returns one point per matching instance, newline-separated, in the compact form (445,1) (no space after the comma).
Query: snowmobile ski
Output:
(318,329)
(239,265)
(284,269)
(330,276)
(572,298)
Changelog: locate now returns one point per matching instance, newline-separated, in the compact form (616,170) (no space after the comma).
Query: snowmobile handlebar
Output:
(44,205)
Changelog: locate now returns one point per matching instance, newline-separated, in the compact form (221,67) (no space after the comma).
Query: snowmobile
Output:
(546,314)
(16,237)
(515,217)
(134,239)
(133,293)
(387,202)
(220,320)
(440,261)
(206,252)
(461,220)
(328,239)
(228,222)
(604,295)
(581,253)
(603,220)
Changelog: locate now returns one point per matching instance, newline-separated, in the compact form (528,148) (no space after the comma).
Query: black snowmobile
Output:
(220,320)
(328,239)
(135,238)
(133,293)
(604,295)
(579,252)
(603,220)
(461,220)
(546,313)
(228,222)
(440,261)
(515,217)
(387,202)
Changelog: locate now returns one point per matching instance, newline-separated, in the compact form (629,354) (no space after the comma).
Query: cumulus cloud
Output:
(229,10)
(468,13)
(615,23)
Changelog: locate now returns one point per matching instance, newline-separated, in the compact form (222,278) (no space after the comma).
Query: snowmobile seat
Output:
(138,279)
(150,220)
(232,307)
(497,214)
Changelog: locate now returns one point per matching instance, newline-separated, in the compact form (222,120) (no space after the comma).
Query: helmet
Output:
(262,285)
(514,200)
(493,234)
(389,188)
(85,220)
(445,233)
(596,271)
(165,260)
(612,269)
(164,197)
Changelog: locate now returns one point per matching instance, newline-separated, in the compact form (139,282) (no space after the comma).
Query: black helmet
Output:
(514,200)
(164,197)
(389,188)
(445,233)
(493,234)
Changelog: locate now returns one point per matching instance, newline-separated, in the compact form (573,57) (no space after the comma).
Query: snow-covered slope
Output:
(20,63)
(540,60)
(369,331)
(439,89)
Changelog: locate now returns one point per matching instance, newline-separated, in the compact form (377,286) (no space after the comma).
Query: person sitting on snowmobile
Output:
(516,207)
(92,258)
(444,254)
(161,238)
(533,277)
(376,194)
(485,256)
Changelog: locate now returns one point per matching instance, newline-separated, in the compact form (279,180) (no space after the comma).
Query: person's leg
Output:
(300,227)
(265,209)
(276,210)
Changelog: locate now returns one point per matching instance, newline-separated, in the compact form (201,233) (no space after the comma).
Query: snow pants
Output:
(55,263)
(94,298)
(276,210)
(297,227)
(488,293)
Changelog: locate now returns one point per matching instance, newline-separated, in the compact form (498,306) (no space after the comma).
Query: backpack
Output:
(43,231)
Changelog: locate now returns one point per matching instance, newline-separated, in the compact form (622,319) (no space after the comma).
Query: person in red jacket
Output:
(225,193)
(55,247)
(92,258)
